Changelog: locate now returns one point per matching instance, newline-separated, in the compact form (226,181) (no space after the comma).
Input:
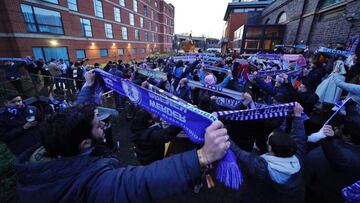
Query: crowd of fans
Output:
(63,158)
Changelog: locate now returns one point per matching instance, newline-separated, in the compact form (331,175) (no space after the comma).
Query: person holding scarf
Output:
(276,176)
(84,173)
(18,124)
(327,91)
(335,164)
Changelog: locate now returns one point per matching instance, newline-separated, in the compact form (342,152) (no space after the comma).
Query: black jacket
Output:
(258,185)
(330,168)
(12,130)
(150,142)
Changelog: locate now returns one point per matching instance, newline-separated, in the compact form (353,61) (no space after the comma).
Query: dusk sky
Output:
(202,17)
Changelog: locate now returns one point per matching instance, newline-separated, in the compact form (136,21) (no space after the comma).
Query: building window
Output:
(332,14)
(52,1)
(132,20)
(72,4)
(135,5)
(150,25)
(146,36)
(281,18)
(86,27)
(141,22)
(42,20)
(47,53)
(156,28)
(98,8)
(252,44)
(165,29)
(117,14)
(137,35)
(153,37)
(142,50)
(152,14)
(145,10)
(120,52)
(156,50)
(108,30)
(124,33)
(80,54)
(133,51)
(326,3)
(104,53)
(156,4)
(122,3)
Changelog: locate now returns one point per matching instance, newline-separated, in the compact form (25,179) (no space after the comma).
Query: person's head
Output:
(14,101)
(305,86)
(180,63)
(77,64)
(280,144)
(280,98)
(205,103)
(210,79)
(279,81)
(52,60)
(96,65)
(143,119)
(61,60)
(72,131)
(347,129)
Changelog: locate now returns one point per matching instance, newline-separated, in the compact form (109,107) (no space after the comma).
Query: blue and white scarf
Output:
(266,112)
(156,74)
(217,89)
(192,120)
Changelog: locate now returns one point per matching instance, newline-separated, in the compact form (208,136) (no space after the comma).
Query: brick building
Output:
(315,22)
(100,30)
(238,13)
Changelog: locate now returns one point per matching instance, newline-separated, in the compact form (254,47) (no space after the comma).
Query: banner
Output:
(334,52)
(266,112)
(12,59)
(269,56)
(185,58)
(192,120)
(156,74)
(218,69)
(290,73)
(226,102)
(214,88)
(211,59)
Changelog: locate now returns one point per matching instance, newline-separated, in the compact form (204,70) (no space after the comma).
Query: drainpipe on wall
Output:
(300,23)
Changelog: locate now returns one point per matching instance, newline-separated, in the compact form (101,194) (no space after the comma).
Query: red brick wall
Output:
(235,21)
(12,21)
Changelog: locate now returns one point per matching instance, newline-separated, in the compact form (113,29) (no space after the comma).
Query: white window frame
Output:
(124,33)
(141,22)
(108,30)
(117,14)
(135,6)
(132,19)
(122,3)
(98,13)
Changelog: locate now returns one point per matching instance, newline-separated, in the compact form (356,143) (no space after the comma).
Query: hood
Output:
(281,169)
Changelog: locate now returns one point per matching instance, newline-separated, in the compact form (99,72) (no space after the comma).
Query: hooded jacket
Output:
(274,179)
(91,178)
(150,141)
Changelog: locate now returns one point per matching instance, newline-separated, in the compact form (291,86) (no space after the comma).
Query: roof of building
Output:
(254,4)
